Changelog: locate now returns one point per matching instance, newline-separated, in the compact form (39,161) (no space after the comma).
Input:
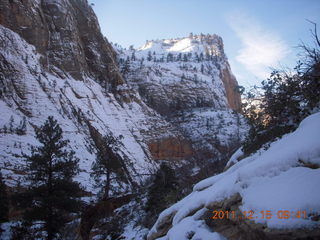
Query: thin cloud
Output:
(262,49)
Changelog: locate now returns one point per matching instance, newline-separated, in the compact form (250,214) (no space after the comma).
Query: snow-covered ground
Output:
(285,177)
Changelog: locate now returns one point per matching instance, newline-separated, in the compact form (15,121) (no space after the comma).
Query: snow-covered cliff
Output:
(55,61)
(182,73)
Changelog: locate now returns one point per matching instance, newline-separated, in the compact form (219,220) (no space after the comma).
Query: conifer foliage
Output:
(52,193)
(283,100)
(4,205)
(163,192)
(108,161)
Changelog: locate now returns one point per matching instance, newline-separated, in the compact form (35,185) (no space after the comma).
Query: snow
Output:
(189,227)
(235,157)
(183,45)
(195,44)
(273,180)
(134,233)
(287,191)
(45,94)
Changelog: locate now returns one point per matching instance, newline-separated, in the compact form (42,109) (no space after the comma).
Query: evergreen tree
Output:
(197,57)
(202,69)
(163,191)
(52,193)
(107,162)
(201,57)
(183,77)
(141,62)
(169,57)
(185,58)
(179,57)
(126,66)
(283,100)
(22,128)
(5,129)
(195,77)
(149,58)
(11,121)
(4,205)
(133,56)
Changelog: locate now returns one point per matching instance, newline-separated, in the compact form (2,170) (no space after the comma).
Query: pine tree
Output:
(163,191)
(183,77)
(149,58)
(107,162)
(11,121)
(284,101)
(201,57)
(179,57)
(4,205)
(202,69)
(126,66)
(5,129)
(52,193)
(133,56)
(197,57)
(169,57)
(185,58)
(22,128)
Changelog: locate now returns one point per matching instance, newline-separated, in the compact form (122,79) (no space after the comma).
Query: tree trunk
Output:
(49,227)
(107,186)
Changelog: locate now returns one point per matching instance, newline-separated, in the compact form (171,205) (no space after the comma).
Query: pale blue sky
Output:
(256,34)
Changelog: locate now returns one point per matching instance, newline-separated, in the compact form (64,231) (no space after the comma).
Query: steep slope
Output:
(29,94)
(67,35)
(273,194)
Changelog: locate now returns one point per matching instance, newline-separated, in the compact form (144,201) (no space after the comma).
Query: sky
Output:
(258,35)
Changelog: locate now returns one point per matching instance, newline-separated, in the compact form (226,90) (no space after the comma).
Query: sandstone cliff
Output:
(67,35)
(181,74)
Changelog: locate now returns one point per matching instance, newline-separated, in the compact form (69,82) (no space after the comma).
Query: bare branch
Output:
(314,32)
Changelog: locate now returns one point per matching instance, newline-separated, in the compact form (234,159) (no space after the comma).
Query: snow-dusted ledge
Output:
(286,177)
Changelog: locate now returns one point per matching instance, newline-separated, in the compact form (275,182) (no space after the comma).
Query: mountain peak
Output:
(211,44)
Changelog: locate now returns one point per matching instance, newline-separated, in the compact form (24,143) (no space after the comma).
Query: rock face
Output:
(231,87)
(181,74)
(189,82)
(67,35)
(171,148)
(241,228)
